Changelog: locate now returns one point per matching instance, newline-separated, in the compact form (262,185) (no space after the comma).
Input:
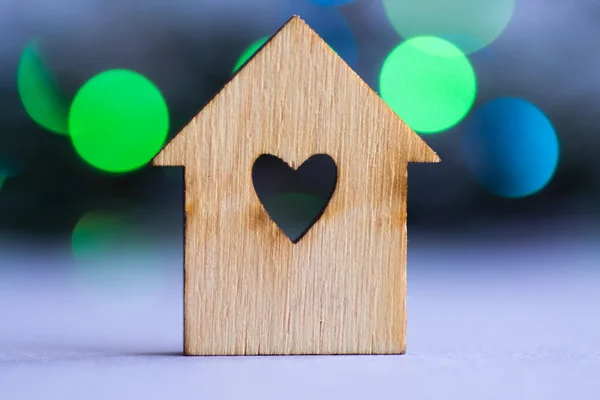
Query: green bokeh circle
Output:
(249,52)
(115,247)
(429,83)
(98,234)
(40,93)
(118,121)
(470,24)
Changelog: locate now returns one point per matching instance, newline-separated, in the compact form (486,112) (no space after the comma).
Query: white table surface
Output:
(488,322)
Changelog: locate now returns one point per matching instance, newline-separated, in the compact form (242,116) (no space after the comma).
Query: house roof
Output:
(296,85)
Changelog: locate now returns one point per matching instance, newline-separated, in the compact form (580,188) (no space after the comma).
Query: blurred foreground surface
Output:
(510,321)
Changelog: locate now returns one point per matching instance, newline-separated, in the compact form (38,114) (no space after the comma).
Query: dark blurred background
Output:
(519,160)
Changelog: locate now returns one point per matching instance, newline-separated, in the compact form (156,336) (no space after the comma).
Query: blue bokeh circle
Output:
(510,147)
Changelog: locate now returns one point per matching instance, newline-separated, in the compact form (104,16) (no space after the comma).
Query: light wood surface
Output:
(342,288)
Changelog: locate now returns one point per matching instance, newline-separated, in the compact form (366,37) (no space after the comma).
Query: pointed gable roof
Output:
(297,84)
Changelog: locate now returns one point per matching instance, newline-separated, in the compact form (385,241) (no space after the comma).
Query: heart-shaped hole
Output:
(294,199)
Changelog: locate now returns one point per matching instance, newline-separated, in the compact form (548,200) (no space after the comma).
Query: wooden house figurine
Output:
(340,287)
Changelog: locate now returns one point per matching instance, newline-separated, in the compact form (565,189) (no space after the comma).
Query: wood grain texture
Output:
(342,288)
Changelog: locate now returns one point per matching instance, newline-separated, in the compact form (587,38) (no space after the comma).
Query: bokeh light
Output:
(249,52)
(429,83)
(7,170)
(510,147)
(39,92)
(329,23)
(96,234)
(470,24)
(112,247)
(118,121)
